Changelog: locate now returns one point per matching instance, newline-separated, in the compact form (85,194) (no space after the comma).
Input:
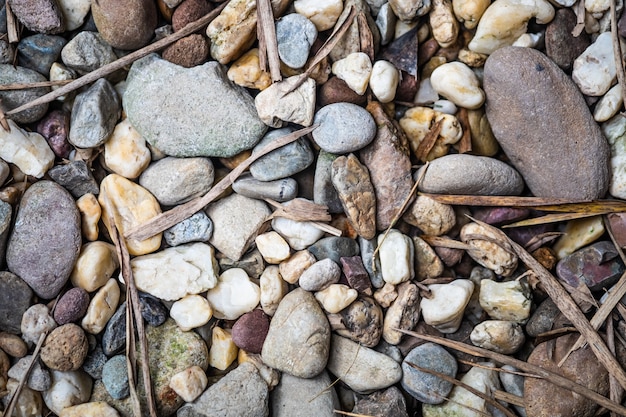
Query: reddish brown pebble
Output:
(65,348)
(356,274)
(546,257)
(189,11)
(72,306)
(449,256)
(408,88)
(500,215)
(336,90)
(617,222)
(54,128)
(188,52)
(250,330)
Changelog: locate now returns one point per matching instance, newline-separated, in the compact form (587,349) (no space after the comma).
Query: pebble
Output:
(508,300)
(114,335)
(38,52)
(87,52)
(594,70)
(384,80)
(417,123)
(397,257)
(362,369)
(299,396)
(233,295)
(152,310)
(188,11)
(246,71)
(386,22)
(76,177)
(336,297)
(273,289)
(59,72)
(469,11)
(94,362)
(500,336)
(126,152)
(386,295)
(284,161)
(197,228)
(250,330)
(356,274)
(102,307)
(236,222)
(95,265)
(355,69)
(125,26)
(355,190)
(334,248)
(429,265)
(223,350)
(45,243)
(190,383)
(513,384)
(542,318)
(295,35)
(390,403)
(273,247)
(608,106)
(426,387)
(252,262)
(614,131)
(65,348)
(561,45)
(115,377)
(72,306)
(29,402)
(277,104)
(242,392)
(489,251)
(298,339)
(361,321)
(458,83)
(408,10)
(29,151)
(597,266)
(42,16)
(578,169)
(130,205)
(431,217)
(191,311)
(323,190)
(176,272)
(90,409)
(39,377)
(444,309)
(15,298)
(74,12)
(54,127)
(577,234)
(211,101)
(68,389)
(94,115)
(445,26)
(403,313)
(335,90)
(188,52)
(343,128)
(281,190)
(175,181)
(13,345)
(322,14)
(36,321)
(299,234)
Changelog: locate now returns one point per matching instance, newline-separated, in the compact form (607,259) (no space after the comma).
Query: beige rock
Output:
(487,252)
(431,217)
(95,266)
(276,106)
(445,27)
(484,143)
(246,71)
(529,40)
(130,205)
(126,152)
(74,12)
(91,409)
(579,233)
(269,374)
(350,41)
(13,345)
(233,295)
(323,13)
(59,72)
(408,10)
(472,59)
(428,264)
(396,257)
(223,350)
(402,27)
(444,309)
(191,311)
(90,212)
(101,307)
(386,295)
(509,300)
(190,383)
(609,104)
(273,247)
(355,69)
(336,297)
(469,11)
(36,321)
(292,268)
(68,389)
(299,234)
(29,403)
(403,313)
(384,81)
(500,336)
(29,151)
(417,123)
(273,289)
(458,83)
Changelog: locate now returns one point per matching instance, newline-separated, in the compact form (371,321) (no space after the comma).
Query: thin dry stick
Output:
(12,25)
(122,62)
(16,395)
(349,414)
(168,219)
(268,45)
(25,86)
(427,144)
(509,398)
(281,211)
(617,49)
(615,391)
(507,201)
(554,378)
(567,306)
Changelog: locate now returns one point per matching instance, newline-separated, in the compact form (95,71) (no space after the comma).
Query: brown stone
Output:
(188,52)
(356,274)
(125,24)
(189,11)
(250,330)
(42,16)
(13,345)
(72,306)
(361,321)
(561,45)
(65,348)
(335,90)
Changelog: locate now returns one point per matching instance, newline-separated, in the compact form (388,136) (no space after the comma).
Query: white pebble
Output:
(190,383)
(509,300)
(386,23)
(500,336)
(29,403)
(594,70)
(609,104)
(299,235)
(223,350)
(273,247)
(597,6)
(233,295)
(444,308)
(59,72)
(68,389)
(615,132)
(384,81)
(355,69)
(323,13)
(458,83)
(191,311)
(426,94)
(529,40)
(101,307)
(74,12)
(396,257)
(445,106)
(578,233)
(336,297)
(29,151)
(273,289)
(469,11)
(126,152)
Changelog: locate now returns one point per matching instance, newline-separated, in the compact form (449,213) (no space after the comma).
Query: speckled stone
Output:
(281,190)
(39,377)
(295,35)
(115,377)
(188,52)
(76,177)
(388,403)
(114,336)
(55,127)
(72,306)
(65,348)
(334,248)
(15,298)
(15,98)
(304,397)
(87,52)
(197,228)
(153,310)
(343,128)
(42,16)
(561,45)
(597,266)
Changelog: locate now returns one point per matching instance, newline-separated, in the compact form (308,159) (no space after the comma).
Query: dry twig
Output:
(12,25)
(427,144)
(268,45)
(25,86)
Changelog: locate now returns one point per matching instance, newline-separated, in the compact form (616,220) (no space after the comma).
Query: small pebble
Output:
(403,313)
(286,397)
(38,52)
(384,80)
(29,151)
(95,266)
(336,297)
(39,377)
(15,299)
(191,311)
(90,212)
(361,321)
(222,296)
(323,14)
(273,247)
(13,345)
(273,289)
(188,11)
(396,257)
(299,234)
(190,383)
(458,83)
(508,300)
(416,124)
(114,335)
(597,266)
(295,35)
(594,70)
(90,409)
(389,402)
(355,69)
(223,350)
(356,274)
(513,383)
(250,330)
(29,402)
(72,306)
(94,362)
(334,248)
(343,128)
(577,234)
(445,307)
(115,377)
(281,190)
(429,265)
(426,387)
(42,16)
(126,152)
(76,177)
(87,52)
(197,228)
(500,336)
(246,71)
(287,101)
(36,321)
(152,310)
(65,348)
(102,307)
(488,252)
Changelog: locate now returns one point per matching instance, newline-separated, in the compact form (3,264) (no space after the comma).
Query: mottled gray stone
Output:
(323,190)
(94,362)
(43,16)
(87,52)
(177,180)
(361,321)
(283,162)
(423,386)
(295,35)
(543,124)
(313,397)
(76,177)
(542,319)
(471,175)
(281,190)
(6,213)
(197,228)
(190,111)
(39,377)
(343,128)
(241,393)
(6,50)
(15,298)
(320,275)
(367,248)
(115,377)
(38,52)
(94,115)
(46,239)
(114,336)
(334,248)
(513,383)
(299,336)
(12,99)
(387,403)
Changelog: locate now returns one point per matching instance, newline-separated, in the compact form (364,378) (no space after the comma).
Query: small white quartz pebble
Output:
(396,257)
(233,295)
(384,81)
(528,40)
(500,336)
(509,300)
(223,350)
(101,307)
(486,251)
(323,13)
(190,383)
(29,151)
(609,105)
(336,297)
(458,83)
(273,247)
(444,308)
(594,70)
(355,69)
(59,72)
(191,311)
(273,289)
(445,106)
(126,152)
(299,235)
(426,94)
(68,389)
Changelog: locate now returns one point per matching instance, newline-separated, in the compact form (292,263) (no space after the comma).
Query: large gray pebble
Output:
(295,35)
(38,52)
(470,175)
(283,162)
(12,99)
(343,128)
(190,111)
(544,125)
(314,397)
(281,190)
(15,298)
(423,386)
(87,52)
(46,239)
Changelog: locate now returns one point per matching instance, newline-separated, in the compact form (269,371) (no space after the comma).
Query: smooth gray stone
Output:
(544,126)
(283,162)
(76,177)
(334,248)
(240,393)
(190,111)
(94,115)
(343,128)
(388,403)
(324,191)
(513,384)
(281,190)
(295,34)
(302,397)
(39,378)
(87,52)
(15,298)
(38,52)
(197,228)
(425,387)
(12,99)
(115,377)
(94,362)
(386,23)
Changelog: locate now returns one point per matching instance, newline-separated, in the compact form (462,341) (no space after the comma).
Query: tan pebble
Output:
(90,213)
(246,71)
(102,307)
(500,336)
(273,247)
(487,252)
(578,233)
(483,141)
(469,11)
(95,265)
(190,383)
(273,289)
(269,374)
(336,297)
(509,300)
(292,268)
(65,348)
(126,152)
(13,345)
(234,161)
(223,351)
(323,14)
(386,295)
(92,409)
(355,69)
(428,263)
(417,123)
(276,105)
(430,216)
(29,403)
(445,26)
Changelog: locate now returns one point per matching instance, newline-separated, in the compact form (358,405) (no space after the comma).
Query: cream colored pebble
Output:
(609,104)
(384,81)
(445,307)
(90,212)
(458,83)
(102,307)
(578,233)
(445,26)
(191,311)
(487,252)
(95,266)
(323,13)
(336,297)
(190,383)
(292,268)
(273,289)
(469,11)
(273,247)
(126,152)
(396,257)
(223,350)
(233,295)
(355,69)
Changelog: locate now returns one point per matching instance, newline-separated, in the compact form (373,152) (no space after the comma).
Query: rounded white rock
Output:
(191,311)
(190,383)
(355,69)
(594,70)
(68,389)
(487,252)
(397,257)
(273,247)
(445,307)
(336,297)
(273,289)
(299,235)
(458,83)
(609,104)
(384,81)
(233,295)
(323,13)
(74,12)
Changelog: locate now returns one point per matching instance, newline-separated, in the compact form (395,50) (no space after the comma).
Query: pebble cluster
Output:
(250,311)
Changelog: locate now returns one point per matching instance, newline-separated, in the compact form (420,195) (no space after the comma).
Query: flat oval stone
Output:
(295,35)
(283,162)
(335,248)
(46,238)
(596,266)
(126,24)
(344,128)
(423,386)
(281,190)
(286,398)
(529,99)
(115,377)
(15,98)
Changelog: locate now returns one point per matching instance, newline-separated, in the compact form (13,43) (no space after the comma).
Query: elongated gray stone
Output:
(314,397)
(281,190)
(283,162)
(190,111)
(14,98)
(543,124)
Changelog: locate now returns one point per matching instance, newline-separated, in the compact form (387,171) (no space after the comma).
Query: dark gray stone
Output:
(513,383)
(38,52)
(12,99)
(367,248)
(295,34)
(343,128)
(387,403)
(323,190)
(15,298)
(152,310)
(76,177)
(561,45)
(94,362)
(114,336)
(423,386)
(87,52)
(115,377)
(197,228)
(334,248)
(281,190)
(283,162)
(313,397)
(46,239)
